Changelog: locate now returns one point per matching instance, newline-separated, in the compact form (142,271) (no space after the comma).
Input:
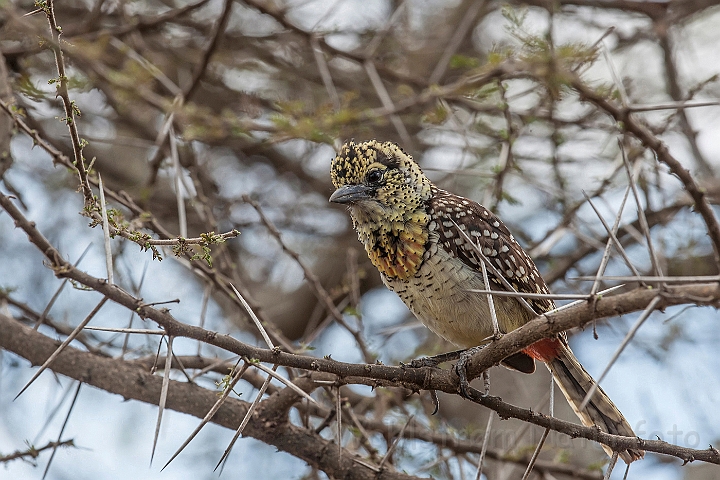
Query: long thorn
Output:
(106,232)
(491,302)
(62,346)
(494,270)
(646,313)
(578,302)
(395,442)
(254,317)
(55,296)
(613,461)
(606,253)
(641,213)
(654,279)
(226,392)
(284,380)
(338,418)
(62,429)
(245,420)
(179,187)
(535,454)
(553,296)
(163,394)
(144,331)
(483,450)
(615,240)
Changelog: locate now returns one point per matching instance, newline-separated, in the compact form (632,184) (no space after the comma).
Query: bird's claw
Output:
(435,400)
(424,362)
(461,370)
(435,360)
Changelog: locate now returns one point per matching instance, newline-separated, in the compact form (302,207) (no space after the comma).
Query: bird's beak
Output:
(351,194)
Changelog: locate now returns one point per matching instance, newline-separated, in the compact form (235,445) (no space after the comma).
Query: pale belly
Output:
(437,295)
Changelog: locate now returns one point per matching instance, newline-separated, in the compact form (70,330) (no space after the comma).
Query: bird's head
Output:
(378,181)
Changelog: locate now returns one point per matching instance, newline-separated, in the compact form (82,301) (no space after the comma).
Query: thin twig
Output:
(388,104)
(216,35)
(69,106)
(641,213)
(672,106)
(324,71)
(34,452)
(382,32)
(466,22)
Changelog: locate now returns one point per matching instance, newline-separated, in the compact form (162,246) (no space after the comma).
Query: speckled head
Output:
(376,178)
(385,191)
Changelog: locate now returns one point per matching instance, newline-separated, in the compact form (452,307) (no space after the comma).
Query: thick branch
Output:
(116,376)
(420,378)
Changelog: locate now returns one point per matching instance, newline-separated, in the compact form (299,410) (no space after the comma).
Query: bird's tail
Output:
(575,382)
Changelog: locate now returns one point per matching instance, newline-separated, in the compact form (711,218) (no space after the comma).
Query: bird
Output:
(425,242)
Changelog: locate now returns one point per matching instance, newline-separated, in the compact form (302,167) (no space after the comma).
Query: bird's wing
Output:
(493,238)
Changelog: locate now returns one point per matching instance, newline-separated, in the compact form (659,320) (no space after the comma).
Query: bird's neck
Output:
(395,246)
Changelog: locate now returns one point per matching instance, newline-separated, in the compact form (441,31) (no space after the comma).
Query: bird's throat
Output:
(397,249)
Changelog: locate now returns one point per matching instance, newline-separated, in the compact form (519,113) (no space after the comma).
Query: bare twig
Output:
(34,452)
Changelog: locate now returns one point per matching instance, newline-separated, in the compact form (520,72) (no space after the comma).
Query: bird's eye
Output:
(374,176)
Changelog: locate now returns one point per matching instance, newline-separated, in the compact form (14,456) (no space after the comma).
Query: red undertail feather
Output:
(544,350)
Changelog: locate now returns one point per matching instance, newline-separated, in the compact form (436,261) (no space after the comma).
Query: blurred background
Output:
(221,102)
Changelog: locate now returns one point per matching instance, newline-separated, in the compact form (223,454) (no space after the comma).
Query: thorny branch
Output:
(254,127)
(420,378)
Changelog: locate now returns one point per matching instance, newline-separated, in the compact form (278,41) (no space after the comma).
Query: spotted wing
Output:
(487,232)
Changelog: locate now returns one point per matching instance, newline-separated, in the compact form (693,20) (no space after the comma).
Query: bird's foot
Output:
(435,360)
(461,370)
